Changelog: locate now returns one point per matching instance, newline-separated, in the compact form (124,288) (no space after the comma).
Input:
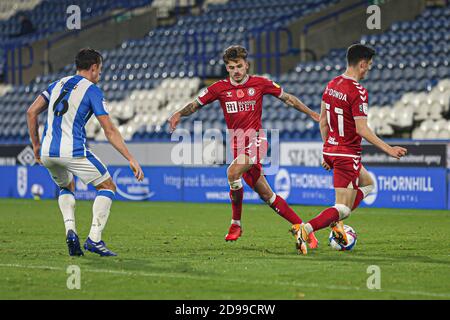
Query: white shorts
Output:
(89,169)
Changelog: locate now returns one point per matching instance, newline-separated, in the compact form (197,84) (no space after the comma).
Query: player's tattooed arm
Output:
(189,109)
(293,101)
(37,107)
(186,111)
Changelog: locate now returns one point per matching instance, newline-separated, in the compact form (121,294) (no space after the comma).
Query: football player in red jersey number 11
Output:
(343,123)
(241,97)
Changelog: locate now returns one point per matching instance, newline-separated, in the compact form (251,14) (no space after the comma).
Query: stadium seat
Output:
(146,79)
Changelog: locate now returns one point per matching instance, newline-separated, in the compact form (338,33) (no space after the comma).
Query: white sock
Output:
(308,228)
(100,210)
(272,199)
(235,185)
(66,201)
(366,190)
(238,222)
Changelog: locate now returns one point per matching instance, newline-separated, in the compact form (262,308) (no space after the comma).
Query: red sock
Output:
(325,218)
(282,208)
(358,199)
(236,197)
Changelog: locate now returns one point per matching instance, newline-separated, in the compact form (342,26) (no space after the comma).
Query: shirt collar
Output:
(240,83)
(347,77)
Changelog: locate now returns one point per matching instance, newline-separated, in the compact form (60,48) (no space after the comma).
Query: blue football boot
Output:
(98,247)
(73,243)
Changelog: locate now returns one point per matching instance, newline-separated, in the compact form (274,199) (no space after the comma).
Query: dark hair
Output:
(86,58)
(234,53)
(358,52)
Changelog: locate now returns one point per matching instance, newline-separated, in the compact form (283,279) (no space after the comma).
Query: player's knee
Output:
(112,186)
(71,186)
(233,174)
(68,185)
(344,211)
(108,185)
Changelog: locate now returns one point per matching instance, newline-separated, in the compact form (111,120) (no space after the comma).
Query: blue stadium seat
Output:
(412,55)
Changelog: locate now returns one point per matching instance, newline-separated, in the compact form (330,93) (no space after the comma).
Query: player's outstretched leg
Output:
(328,217)
(331,217)
(277,203)
(66,202)
(101,209)
(323,220)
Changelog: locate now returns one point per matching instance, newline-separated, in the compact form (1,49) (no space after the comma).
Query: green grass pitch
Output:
(177,251)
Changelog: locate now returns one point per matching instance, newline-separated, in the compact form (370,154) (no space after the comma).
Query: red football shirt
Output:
(345,100)
(241,104)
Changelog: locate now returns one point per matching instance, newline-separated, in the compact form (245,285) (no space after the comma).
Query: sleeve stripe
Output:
(45,95)
(282,91)
(199,101)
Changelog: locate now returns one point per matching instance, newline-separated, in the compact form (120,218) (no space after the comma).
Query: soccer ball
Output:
(37,191)
(351,236)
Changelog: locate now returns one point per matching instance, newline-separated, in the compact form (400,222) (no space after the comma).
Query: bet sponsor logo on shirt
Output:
(240,106)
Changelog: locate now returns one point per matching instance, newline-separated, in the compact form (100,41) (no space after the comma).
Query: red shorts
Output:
(345,170)
(256,150)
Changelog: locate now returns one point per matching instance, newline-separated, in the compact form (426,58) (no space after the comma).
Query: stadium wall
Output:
(293,153)
(421,180)
(411,187)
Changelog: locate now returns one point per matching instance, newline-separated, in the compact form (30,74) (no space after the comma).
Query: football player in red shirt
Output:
(343,123)
(241,97)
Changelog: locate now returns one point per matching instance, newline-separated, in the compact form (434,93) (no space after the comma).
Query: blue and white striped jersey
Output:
(71,102)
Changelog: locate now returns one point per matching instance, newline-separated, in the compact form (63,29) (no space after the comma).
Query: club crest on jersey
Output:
(240,94)
(251,92)
(105,106)
(364,108)
(203,93)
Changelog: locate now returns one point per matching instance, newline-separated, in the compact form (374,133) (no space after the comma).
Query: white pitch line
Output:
(265,283)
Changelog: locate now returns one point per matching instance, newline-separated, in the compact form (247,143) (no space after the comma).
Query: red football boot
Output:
(234,233)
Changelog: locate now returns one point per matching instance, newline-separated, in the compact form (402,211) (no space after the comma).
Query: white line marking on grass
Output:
(265,283)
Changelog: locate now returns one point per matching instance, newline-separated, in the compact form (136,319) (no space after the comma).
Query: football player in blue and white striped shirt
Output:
(71,102)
